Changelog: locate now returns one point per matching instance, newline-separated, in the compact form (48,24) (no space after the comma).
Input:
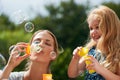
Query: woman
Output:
(44,49)
(104,45)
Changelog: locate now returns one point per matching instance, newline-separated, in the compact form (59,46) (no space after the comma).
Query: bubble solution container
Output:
(47,77)
(83,53)
(28,49)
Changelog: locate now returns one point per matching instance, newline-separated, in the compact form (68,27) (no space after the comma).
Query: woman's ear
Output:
(53,55)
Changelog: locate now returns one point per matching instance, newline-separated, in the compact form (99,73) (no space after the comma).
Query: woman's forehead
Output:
(44,35)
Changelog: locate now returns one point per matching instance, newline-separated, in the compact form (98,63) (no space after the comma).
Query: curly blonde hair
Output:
(109,42)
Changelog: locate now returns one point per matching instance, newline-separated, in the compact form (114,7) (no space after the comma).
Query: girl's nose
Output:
(94,31)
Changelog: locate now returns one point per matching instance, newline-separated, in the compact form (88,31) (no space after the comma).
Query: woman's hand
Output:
(15,58)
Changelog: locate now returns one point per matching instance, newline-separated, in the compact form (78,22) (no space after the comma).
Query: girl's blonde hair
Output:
(109,42)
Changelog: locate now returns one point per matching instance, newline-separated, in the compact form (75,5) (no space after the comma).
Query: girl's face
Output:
(95,33)
(45,41)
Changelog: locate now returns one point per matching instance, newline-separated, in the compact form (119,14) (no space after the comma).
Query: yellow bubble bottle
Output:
(87,63)
(28,49)
(84,51)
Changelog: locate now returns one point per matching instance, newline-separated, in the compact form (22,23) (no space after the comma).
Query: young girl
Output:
(44,49)
(104,45)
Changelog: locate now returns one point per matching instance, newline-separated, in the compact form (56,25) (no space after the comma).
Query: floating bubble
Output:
(36,48)
(19,17)
(29,27)
(60,49)
(2,61)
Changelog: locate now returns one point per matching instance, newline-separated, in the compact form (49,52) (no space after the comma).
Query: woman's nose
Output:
(41,44)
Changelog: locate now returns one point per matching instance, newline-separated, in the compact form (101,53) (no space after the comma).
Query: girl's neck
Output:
(36,71)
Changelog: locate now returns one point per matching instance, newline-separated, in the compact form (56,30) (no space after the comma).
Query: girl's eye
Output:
(36,42)
(97,27)
(91,28)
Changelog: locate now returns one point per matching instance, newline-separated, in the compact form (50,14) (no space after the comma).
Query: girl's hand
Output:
(76,51)
(15,58)
(94,65)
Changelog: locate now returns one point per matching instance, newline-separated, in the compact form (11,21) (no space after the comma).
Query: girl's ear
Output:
(53,55)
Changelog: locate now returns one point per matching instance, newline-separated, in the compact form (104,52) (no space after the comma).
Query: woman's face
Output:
(95,33)
(45,41)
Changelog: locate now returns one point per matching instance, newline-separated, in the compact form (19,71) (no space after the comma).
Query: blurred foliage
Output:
(114,6)
(8,38)
(67,21)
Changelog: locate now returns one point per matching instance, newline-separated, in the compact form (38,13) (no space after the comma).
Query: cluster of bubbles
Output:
(19,17)
(2,61)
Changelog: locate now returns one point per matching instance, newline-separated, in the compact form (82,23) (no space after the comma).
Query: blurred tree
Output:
(5,24)
(68,22)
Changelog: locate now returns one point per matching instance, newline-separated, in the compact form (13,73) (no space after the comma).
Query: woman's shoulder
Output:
(16,75)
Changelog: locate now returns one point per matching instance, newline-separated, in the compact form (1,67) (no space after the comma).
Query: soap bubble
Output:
(2,61)
(36,48)
(19,17)
(29,27)
(60,49)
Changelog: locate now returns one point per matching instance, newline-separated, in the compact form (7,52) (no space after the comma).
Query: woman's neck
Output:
(36,71)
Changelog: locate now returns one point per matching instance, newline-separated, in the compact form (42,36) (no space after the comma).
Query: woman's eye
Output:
(48,44)
(36,42)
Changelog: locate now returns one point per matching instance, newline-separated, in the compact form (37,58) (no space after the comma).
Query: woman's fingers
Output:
(24,57)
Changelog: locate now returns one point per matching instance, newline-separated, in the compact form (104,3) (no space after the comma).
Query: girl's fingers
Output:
(76,50)
(90,58)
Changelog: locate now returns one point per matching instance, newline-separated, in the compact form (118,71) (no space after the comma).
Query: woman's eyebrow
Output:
(48,40)
(37,39)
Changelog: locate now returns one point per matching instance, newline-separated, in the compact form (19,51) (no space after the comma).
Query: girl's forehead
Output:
(93,20)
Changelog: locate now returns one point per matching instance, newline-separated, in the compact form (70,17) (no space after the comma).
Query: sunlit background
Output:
(30,8)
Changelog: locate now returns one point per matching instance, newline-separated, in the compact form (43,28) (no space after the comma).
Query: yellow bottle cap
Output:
(28,49)
(83,52)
